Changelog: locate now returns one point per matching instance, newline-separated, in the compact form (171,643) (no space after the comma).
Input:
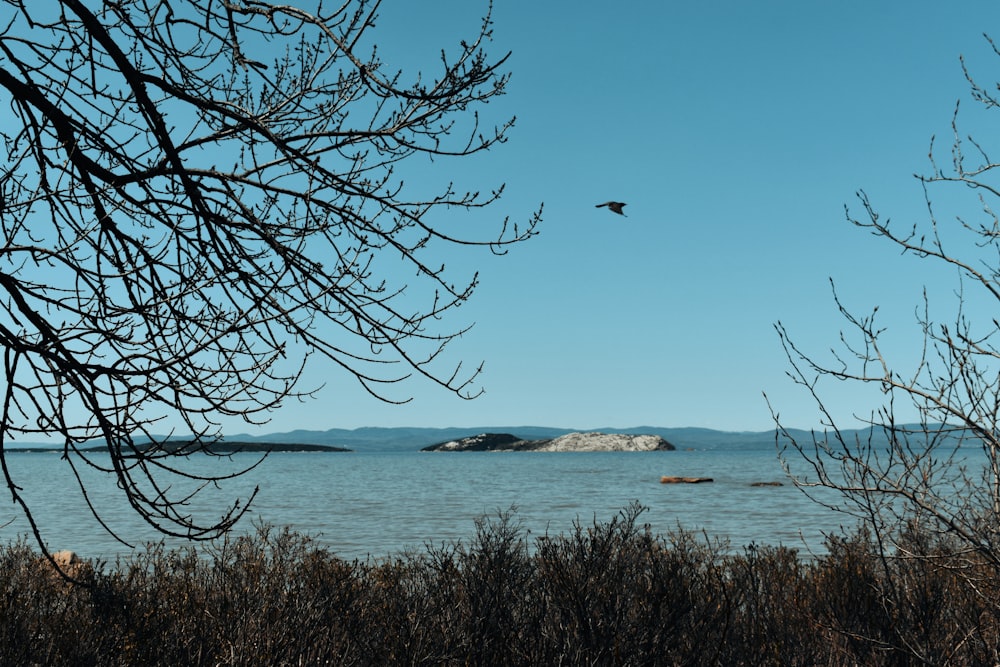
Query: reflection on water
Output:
(361,504)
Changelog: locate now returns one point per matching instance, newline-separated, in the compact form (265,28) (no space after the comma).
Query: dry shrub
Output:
(607,593)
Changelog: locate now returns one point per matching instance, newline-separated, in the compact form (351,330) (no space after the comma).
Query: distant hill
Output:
(404,438)
(378,439)
(398,439)
(373,439)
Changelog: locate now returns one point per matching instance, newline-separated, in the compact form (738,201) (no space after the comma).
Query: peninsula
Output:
(187,447)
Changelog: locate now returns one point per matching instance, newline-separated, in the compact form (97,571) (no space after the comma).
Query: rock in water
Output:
(484,442)
(607,442)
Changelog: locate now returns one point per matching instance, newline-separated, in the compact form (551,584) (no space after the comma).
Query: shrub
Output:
(602,594)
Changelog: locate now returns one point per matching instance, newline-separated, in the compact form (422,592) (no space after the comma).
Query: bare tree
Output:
(197,196)
(926,462)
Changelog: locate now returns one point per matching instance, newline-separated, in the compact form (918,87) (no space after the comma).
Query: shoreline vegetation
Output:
(608,593)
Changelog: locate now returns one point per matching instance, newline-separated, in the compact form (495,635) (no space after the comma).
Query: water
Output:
(376,504)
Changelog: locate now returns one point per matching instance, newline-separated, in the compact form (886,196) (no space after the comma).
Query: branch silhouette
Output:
(185,225)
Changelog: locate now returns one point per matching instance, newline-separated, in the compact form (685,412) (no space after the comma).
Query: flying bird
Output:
(615,206)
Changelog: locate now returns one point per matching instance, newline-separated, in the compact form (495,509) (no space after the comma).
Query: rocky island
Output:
(571,442)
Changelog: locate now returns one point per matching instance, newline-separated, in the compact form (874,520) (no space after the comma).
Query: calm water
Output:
(362,504)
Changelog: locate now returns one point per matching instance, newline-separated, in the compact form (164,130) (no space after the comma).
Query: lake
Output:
(363,504)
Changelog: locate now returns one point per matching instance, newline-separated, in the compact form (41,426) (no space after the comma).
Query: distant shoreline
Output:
(404,439)
(211,448)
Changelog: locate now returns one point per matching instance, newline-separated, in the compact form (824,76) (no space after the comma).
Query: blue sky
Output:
(736,132)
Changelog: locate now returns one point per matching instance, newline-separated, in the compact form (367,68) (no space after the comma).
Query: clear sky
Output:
(736,132)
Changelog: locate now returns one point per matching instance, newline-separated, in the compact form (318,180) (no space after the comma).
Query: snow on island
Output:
(571,442)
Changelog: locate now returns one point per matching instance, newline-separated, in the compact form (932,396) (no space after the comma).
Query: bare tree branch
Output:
(197,197)
(938,475)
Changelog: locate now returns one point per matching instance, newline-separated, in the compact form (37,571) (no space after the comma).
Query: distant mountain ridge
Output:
(406,438)
(374,438)
(413,438)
